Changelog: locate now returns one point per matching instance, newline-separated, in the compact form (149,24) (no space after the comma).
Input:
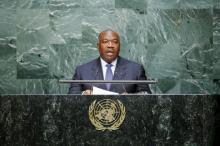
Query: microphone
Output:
(91,84)
(96,75)
(122,84)
(139,74)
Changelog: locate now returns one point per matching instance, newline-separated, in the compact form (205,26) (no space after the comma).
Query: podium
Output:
(149,120)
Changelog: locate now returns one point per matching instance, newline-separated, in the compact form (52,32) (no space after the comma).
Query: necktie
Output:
(108,75)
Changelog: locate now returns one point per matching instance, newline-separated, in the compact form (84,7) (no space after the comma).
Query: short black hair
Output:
(107,31)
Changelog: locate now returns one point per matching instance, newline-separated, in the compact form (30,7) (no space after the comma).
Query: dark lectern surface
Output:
(153,120)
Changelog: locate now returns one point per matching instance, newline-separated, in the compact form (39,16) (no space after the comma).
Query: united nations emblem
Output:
(106,114)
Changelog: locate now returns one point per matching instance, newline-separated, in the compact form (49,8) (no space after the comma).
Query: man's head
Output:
(108,45)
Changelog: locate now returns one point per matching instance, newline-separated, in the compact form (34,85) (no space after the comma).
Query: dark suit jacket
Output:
(125,70)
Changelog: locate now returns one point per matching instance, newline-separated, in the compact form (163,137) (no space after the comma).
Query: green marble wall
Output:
(42,41)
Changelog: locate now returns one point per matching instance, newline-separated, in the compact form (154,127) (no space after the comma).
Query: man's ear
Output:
(97,45)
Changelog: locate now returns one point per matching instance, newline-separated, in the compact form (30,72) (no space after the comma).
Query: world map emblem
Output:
(107,114)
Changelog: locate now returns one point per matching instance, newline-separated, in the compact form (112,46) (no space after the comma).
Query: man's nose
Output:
(110,44)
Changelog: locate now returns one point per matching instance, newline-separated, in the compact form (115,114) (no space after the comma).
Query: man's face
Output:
(109,46)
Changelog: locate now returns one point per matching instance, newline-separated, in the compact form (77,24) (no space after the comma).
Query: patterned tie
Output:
(108,75)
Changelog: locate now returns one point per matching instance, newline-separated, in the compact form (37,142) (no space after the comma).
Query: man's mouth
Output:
(109,53)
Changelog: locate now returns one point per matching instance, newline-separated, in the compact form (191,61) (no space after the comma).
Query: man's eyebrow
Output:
(110,39)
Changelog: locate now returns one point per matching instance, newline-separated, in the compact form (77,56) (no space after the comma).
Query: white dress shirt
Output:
(104,68)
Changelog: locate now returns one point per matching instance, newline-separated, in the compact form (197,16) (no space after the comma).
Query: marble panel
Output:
(150,120)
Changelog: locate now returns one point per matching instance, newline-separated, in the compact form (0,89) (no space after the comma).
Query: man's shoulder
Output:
(88,64)
(129,62)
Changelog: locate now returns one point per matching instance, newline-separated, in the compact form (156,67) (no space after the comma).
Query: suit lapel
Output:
(97,73)
(97,70)
(119,74)
(120,70)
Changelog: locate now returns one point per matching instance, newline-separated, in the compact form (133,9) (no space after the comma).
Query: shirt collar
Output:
(103,62)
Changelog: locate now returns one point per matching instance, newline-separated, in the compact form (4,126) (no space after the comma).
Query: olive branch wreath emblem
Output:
(98,124)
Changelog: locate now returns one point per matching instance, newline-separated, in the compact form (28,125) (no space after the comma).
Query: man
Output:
(109,66)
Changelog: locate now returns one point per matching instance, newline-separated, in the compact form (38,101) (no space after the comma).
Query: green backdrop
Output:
(42,41)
